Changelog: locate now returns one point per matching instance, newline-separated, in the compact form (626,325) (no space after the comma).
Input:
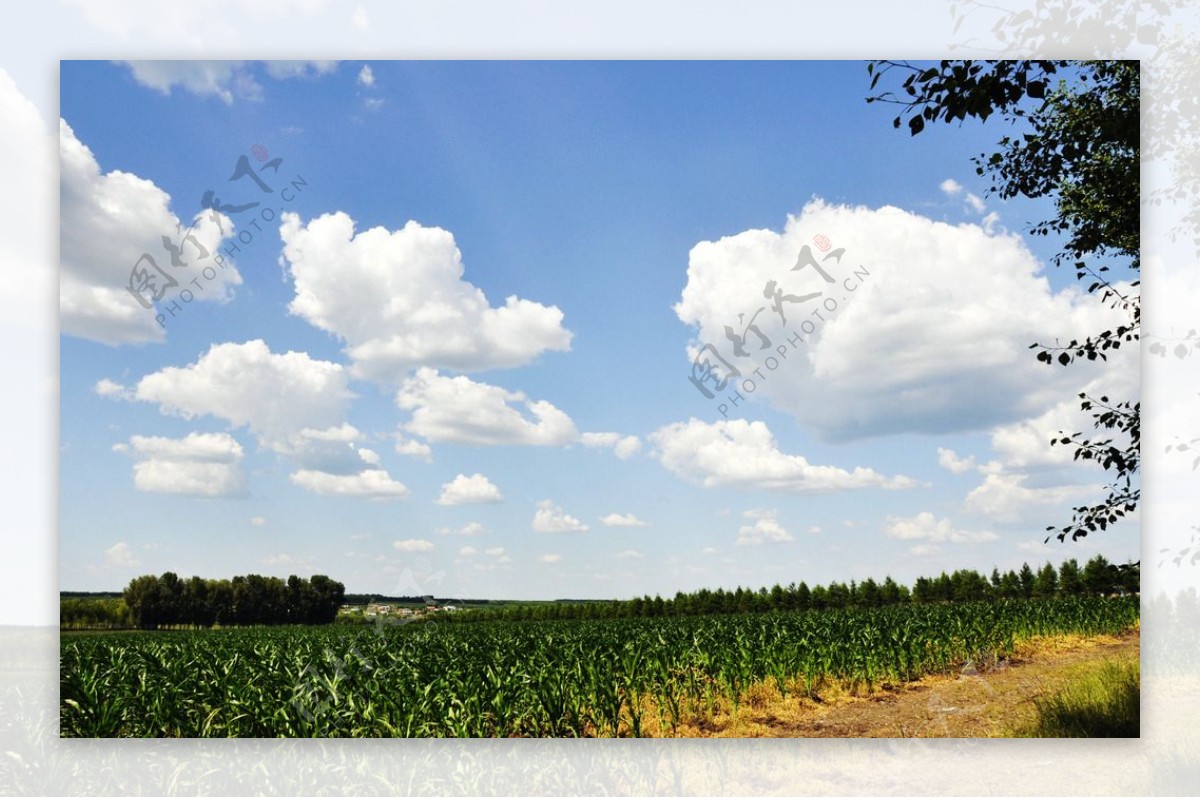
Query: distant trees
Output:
(154,601)
(1098,577)
(93,613)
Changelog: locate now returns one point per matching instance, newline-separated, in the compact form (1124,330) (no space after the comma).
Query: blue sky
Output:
(305,412)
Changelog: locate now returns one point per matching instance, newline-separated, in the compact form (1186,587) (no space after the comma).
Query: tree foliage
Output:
(1074,138)
(167,600)
(963,585)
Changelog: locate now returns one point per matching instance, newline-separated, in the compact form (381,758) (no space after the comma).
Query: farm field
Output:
(624,677)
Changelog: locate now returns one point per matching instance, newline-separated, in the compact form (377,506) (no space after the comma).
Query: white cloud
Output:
(1036,546)
(276,396)
(475,489)
(949,460)
(622,519)
(399,301)
(975,203)
(765,529)
(630,554)
(471,529)
(413,545)
(931,336)
(119,555)
(460,410)
(926,527)
(467,551)
(708,551)
(332,450)
(201,464)
(226,80)
(413,448)
(497,551)
(371,483)
(258,520)
(368,456)
(551,519)
(365,76)
(744,454)
(925,549)
(289,560)
(1005,497)
(113,390)
(108,222)
(373,103)
(623,446)
(550,558)
(950,187)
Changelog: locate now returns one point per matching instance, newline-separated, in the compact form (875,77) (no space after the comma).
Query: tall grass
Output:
(1103,702)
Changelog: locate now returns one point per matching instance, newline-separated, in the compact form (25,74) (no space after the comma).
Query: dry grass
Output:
(923,707)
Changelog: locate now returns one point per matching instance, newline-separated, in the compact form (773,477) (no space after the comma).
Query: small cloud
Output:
(365,76)
(949,460)
(813,530)
(950,187)
(550,558)
(926,549)
(551,519)
(623,446)
(363,536)
(413,448)
(765,529)
(114,390)
(990,221)
(371,483)
(467,551)
(119,555)
(708,551)
(619,519)
(288,560)
(258,520)
(369,457)
(975,203)
(413,545)
(473,528)
(475,489)
(629,554)
(373,103)
(925,526)
(497,551)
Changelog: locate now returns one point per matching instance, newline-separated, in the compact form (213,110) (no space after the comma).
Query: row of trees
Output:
(1097,577)
(167,600)
(92,612)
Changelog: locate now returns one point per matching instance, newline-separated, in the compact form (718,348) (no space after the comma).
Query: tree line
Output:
(1097,577)
(150,602)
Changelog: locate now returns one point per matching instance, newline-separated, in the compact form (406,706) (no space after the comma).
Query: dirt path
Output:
(970,704)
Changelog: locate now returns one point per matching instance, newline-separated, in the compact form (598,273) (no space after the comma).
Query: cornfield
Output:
(545,678)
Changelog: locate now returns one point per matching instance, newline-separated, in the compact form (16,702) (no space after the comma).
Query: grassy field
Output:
(629,677)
